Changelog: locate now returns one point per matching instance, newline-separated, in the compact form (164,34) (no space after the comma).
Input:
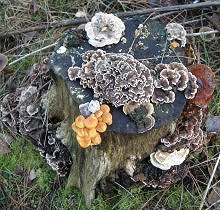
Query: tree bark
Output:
(96,162)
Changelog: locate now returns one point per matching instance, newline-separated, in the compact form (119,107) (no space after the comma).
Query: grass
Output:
(47,191)
(17,190)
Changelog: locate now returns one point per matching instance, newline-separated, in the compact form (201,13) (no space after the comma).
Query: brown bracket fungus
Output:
(175,31)
(104,29)
(188,132)
(205,79)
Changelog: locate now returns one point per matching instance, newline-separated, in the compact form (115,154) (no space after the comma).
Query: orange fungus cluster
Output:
(88,129)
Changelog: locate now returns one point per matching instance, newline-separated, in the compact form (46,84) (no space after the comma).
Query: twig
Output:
(209,183)
(74,22)
(204,33)
(32,53)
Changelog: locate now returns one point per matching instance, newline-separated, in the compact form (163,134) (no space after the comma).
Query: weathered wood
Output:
(92,164)
(119,144)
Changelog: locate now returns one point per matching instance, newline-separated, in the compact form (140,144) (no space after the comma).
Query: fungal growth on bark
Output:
(141,114)
(87,128)
(25,113)
(205,77)
(188,132)
(104,29)
(165,160)
(175,31)
(172,77)
(115,78)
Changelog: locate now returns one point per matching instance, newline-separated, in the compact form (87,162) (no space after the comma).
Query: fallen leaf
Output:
(32,174)
(19,170)
(4,147)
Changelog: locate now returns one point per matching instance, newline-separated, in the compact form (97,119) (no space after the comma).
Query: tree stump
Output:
(122,142)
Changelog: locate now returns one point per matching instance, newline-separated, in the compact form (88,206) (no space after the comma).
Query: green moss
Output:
(67,199)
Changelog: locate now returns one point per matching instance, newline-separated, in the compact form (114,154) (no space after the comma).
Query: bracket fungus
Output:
(116,77)
(205,79)
(188,132)
(172,77)
(175,31)
(141,115)
(104,29)
(88,128)
(165,160)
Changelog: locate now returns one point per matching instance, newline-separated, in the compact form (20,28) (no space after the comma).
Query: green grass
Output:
(15,168)
(135,197)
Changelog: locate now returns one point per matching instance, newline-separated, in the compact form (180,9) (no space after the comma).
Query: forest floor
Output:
(26,181)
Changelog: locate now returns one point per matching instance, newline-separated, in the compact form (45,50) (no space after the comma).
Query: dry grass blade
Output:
(209,183)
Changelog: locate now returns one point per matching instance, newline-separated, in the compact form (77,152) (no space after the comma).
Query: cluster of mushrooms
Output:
(88,128)
(24,111)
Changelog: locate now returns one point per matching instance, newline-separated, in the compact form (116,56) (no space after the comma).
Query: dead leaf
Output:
(212,124)
(32,174)
(214,196)
(4,147)
(19,170)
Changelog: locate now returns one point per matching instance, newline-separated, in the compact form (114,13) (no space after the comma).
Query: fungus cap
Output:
(165,160)
(91,121)
(96,140)
(107,118)
(101,127)
(205,79)
(80,121)
(104,29)
(84,142)
(176,31)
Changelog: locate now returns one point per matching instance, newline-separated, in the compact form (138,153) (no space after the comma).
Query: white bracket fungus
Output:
(165,160)
(104,29)
(176,31)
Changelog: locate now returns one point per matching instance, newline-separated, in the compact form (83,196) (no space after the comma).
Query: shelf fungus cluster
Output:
(104,29)
(170,78)
(23,112)
(176,31)
(116,78)
(88,128)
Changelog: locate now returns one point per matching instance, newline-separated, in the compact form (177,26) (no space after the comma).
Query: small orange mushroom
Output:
(99,113)
(105,108)
(101,127)
(91,121)
(80,121)
(99,119)
(91,132)
(80,131)
(96,140)
(84,142)
(107,118)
